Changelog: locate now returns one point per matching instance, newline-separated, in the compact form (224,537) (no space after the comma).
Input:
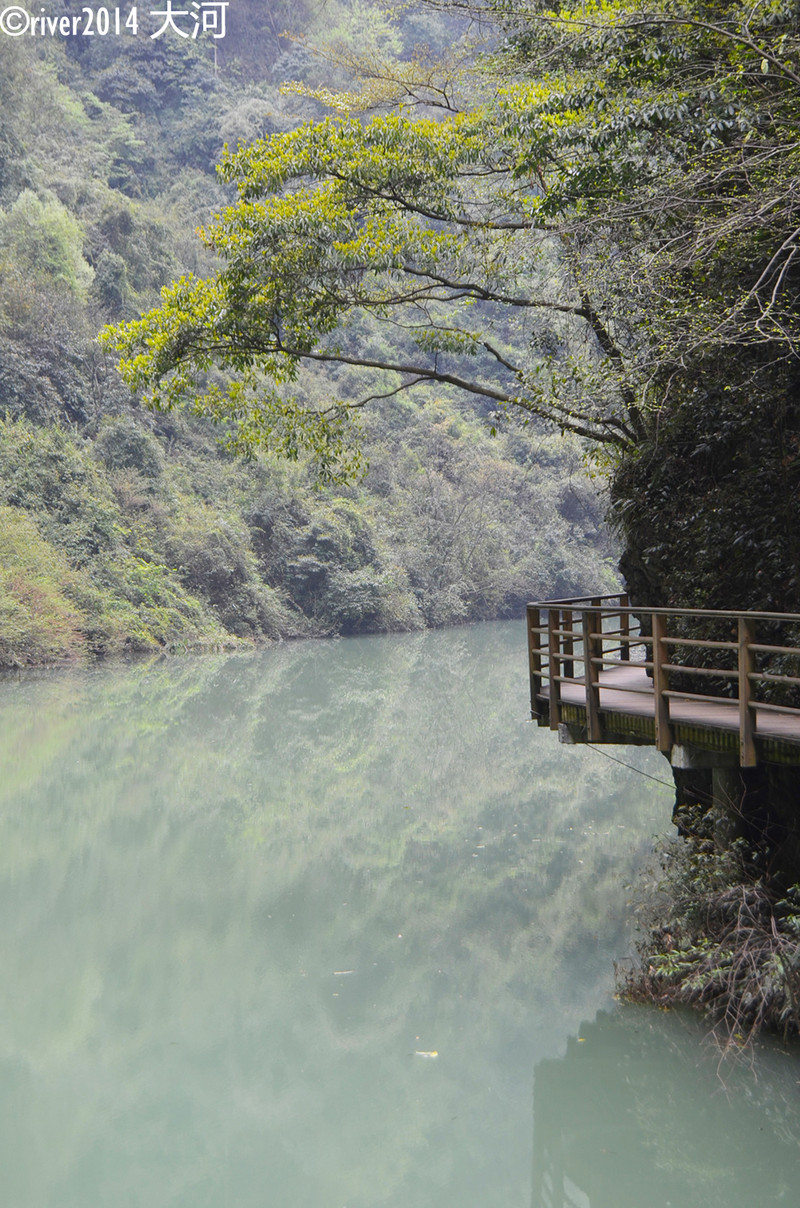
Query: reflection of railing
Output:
(712,669)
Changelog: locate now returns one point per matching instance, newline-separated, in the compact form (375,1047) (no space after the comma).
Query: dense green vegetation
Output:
(720,936)
(126,531)
(600,231)
(593,226)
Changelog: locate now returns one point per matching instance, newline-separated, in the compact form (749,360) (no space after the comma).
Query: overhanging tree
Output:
(429,230)
(617,217)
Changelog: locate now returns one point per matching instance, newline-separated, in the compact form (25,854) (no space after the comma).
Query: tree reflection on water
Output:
(639,1111)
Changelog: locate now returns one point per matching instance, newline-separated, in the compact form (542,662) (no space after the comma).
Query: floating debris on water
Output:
(429,1053)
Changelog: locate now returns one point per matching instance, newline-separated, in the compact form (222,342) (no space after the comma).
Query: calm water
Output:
(245,900)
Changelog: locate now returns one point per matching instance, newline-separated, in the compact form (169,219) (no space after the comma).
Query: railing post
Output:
(592,649)
(535,657)
(747,746)
(624,630)
(553,618)
(569,645)
(661,684)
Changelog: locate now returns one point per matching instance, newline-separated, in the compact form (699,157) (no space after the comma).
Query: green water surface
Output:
(333,926)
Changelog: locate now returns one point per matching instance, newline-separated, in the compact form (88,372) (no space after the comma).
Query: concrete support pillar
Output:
(713,781)
(760,804)
(693,795)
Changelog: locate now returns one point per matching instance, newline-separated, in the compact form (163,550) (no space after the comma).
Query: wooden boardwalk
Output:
(628,690)
(604,672)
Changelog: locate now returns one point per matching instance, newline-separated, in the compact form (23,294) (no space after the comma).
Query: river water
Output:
(333,926)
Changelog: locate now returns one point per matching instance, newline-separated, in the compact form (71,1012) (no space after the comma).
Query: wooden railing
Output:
(747,659)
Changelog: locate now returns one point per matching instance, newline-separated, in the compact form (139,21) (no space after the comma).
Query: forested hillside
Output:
(125,530)
(594,223)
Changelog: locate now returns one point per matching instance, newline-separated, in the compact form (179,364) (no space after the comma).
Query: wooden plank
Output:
(747,746)
(661,684)
(592,649)
(534,617)
(569,644)
(554,668)
(760,649)
(718,672)
(624,629)
(700,643)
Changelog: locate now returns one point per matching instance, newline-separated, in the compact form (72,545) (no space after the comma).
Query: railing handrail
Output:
(565,603)
(645,609)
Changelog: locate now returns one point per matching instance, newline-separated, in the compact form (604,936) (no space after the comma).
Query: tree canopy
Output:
(620,204)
